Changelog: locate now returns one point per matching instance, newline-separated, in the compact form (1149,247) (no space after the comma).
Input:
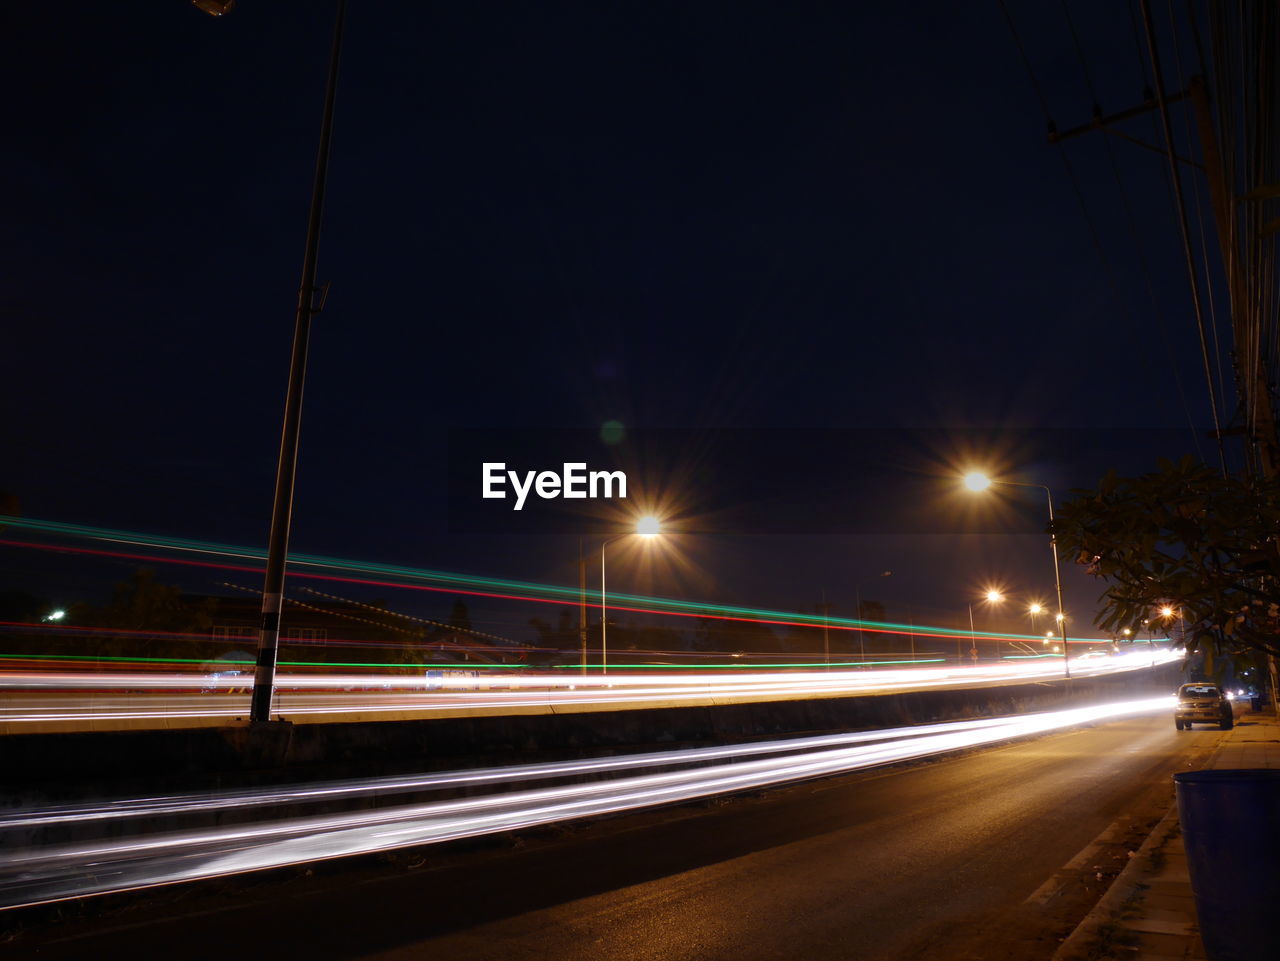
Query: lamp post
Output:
(645,527)
(991,597)
(826,630)
(973,639)
(857,593)
(287,461)
(980,482)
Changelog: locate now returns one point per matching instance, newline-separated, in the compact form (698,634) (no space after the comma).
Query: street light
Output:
(1035,610)
(991,597)
(646,527)
(976,481)
(862,643)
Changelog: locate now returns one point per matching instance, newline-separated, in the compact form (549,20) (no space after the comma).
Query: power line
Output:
(1094,235)
(1183,228)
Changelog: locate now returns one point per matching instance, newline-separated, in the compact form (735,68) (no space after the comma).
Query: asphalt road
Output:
(987,856)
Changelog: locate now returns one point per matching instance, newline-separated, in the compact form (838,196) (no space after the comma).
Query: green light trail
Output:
(536,590)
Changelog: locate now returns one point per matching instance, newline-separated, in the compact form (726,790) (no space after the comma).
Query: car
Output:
(1202,702)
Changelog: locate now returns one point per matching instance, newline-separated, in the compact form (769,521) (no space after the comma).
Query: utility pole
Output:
(582,605)
(287,463)
(1255,400)
(826,636)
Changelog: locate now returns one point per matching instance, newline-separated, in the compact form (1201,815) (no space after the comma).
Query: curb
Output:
(1127,885)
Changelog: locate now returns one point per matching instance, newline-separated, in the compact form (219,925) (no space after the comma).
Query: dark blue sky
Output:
(541,216)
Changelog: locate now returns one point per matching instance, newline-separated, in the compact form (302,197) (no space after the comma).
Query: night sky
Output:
(841,218)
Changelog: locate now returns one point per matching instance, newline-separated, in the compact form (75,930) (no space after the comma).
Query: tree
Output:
(1186,538)
(459,616)
(17,605)
(730,637)
(143,605)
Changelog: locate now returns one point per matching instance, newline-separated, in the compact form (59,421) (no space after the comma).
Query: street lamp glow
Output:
(994,597)
(1060,617)
(1035,609)
(648,526)
(1166,611)
(1125,631)
(977,481)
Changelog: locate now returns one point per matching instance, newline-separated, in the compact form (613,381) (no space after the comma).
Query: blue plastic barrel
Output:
(1231,828)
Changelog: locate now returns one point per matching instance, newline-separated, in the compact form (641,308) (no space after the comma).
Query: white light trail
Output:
(330,695)
(37,875)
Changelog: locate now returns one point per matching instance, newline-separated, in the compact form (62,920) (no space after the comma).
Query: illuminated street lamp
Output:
(645,527)
(1035,610)
(991,597)
(976,481)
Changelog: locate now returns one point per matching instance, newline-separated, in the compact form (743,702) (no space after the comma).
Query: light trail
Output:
(35,875)
(474,585)
(213,802)
(310,696)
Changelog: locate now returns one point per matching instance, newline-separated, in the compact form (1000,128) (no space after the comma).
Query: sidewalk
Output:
(1149,914)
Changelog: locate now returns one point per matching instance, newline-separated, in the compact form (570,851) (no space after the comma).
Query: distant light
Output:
(55,615)
(1166,611)
(1035,609)
(994,597)
(1125,631)
(648,526)
(1060,617)
(612,432)
(977,481)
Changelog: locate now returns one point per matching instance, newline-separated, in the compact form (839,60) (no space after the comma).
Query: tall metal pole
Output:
(826,637)
(973,638)
(862,637)
(604,613)
(1057,572)
(1057,580)
(582,604)
(286,465)
(857,594)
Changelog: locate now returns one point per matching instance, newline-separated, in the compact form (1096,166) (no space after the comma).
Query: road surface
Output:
(991,855)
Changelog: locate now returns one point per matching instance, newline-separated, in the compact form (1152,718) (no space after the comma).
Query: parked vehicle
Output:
(1202,703)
